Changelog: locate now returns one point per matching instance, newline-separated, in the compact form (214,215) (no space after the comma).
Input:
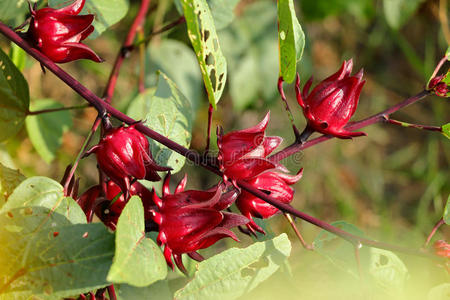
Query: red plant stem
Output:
(112,292)
(208,133)
(104,108)
(433,231)
(50,110)
(137,23)
(439,66)
(379,117)
(286,107)
(417,126)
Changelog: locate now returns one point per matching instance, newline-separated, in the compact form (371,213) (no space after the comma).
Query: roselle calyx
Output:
(331,104)
(243,153)
(442,248)
(274,184)
(123,154)
(192,220)
(58,33)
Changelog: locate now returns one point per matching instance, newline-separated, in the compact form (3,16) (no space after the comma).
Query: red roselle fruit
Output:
(331,104)
(124,153)
(58,33)
(276,185)
(438,86)
(192,220)
(242,153)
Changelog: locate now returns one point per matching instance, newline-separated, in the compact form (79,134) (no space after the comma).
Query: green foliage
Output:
(446,130)
(9,179)
(222,12)
(46,130)
(159,291)
(44,255)
(235,272)
(179,62)
(169,113)
(252,54)
(138,261)
(291,40)
(14,96)
(13,12)
(107,12)
(18,56)
(44,192)
(203,36)
(446,215)
(318,10)
(398,12)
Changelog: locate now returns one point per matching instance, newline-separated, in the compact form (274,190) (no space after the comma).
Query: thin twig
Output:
(50,110)
(433,231)
(410,125)
(286,107)
(297,232)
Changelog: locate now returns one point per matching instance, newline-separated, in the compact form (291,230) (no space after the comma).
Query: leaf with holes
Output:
(106,12)
(291,40)
(203,36)
(15,98)
(388,272)
(46,130)
(44,192)
(168,112)
(446,215)
(339,251)
(9,179)
(234,272)
(138,261)
(46,256)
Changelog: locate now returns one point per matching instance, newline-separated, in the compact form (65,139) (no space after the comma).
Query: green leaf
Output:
(14,96)
(159,291)
(252,54)
(13,12)
(222,12)
(180,64)
(18,56)
(291,40)
(138,261)
(234,272)
(339,251)
(44,192)
(388,272)
(203,36)
(46,130)
(42,254)
(169,113)
(440,292)
(446,215)
(398,12)
(447,53)
(107,12)
(446,130)
(9,179)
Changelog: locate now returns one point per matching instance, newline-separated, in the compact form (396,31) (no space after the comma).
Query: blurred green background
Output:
(393,184)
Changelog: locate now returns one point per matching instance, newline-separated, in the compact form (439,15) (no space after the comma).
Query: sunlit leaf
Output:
(44,255)
(14,96)
(446,130)
(203,36)
(440,292)
(9,179)
(46,130)
(107,12)
(291,39)
(234,272)
(169,113)
(138,261)
(159,290)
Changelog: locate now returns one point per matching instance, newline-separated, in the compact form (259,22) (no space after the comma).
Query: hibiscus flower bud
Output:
(439,87)
(276,185)
(123,154)
(331,104)
(192,220)
(58,33)
(442,248)
(242,153)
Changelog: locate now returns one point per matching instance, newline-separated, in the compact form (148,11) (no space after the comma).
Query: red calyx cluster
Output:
(331,104)
(442,248)
(123,154)
(243,156)
(192,220)
(439,87)
(58,33)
